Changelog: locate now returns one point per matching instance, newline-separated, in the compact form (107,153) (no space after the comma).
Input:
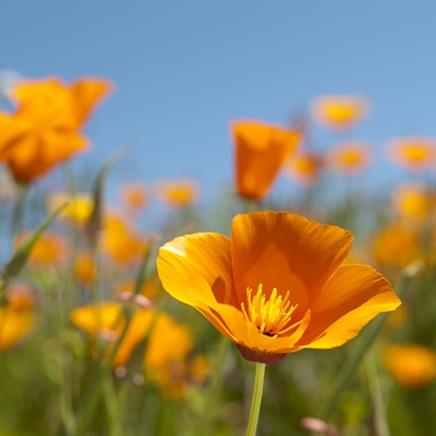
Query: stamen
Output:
(271,316)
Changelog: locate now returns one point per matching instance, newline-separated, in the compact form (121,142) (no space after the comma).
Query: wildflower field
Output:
(281,306)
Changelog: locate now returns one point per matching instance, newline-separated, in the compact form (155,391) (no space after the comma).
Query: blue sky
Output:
(184,69)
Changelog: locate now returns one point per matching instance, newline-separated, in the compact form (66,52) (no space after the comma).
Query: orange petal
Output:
(11,129)
(287,252)
(353,296)
(196,269)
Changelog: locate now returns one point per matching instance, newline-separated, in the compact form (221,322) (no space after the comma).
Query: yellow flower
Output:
(51,248)
(79,208)
(396,246)
(277,286)
(85,268)
(305,167)
(414,153)
(413,201)
(350,157)
(44,131)
(134,197)
(261,151)
(411,365)
(177,193)
(339,112)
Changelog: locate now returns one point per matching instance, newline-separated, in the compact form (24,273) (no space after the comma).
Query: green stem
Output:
(256,399)
(381,427)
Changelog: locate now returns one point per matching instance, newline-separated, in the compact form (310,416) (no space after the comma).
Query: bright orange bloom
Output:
(85,268)
(413,153)
(339,112)
(413,201)
(411,365)
(261,150)
(396,246)
(51,248)
(134,197)
(350,157)
(79,208)
(121,242)
(277,286)
(305,167)
(44,131)
(177,193)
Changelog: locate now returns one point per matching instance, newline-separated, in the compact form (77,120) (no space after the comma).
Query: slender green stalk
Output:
(256,399)
(381,427)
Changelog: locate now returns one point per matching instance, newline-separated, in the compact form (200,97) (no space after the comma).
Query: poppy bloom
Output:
(260,153)
(411,365)
(85,269)
(177,193)
(413,201)
(339,112)
(78,210)
(45,128)
(305,167)
(396,245)
(134,197)
(278,285)
(349,157)
(413,153)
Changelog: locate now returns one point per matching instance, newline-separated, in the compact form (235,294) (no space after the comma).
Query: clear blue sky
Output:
(184,69)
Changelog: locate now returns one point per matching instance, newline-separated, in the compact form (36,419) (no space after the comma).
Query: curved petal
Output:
(353,296)
(196,269)
(286,251)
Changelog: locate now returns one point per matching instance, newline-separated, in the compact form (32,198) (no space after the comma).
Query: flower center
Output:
(271,316)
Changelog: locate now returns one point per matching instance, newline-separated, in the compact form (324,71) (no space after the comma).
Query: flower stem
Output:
(256,399)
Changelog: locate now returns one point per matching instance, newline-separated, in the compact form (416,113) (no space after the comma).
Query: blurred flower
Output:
(121,242)
(134,197)
(85,269)
(277,286)
(350,157)
(151,288)
(79,207)
(16,317)
(50,248)
(339,112)
(305,167)
(44,131)
(413,153)
(396,246)
(177,193)
(411,365)
(261,151)
(413,201)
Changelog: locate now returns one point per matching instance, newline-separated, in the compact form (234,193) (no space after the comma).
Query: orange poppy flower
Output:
(51,248)
(79,208)
(177,193)
(411,365)
(85,269)
(349,157)
(413,201)
(339,112)
(45,128)
(305,167)
(278,285)
(134,197)
(260,153)
(413,153)
(397,246)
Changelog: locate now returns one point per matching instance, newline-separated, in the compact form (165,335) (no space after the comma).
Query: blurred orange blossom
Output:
(413,201)
(134,197)
(349,157)
(177,193)
(414,153)
(278,285)
(305,167)
(339,112)
(44,130)
(78,210)
(261,151)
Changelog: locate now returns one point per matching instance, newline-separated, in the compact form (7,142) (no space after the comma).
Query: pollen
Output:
(271,315)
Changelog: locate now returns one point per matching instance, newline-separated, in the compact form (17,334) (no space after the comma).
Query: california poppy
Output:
(260,153)
(349,157)
(413,153)
(339,112)
(413,201)
(134,197)
(45,128)
(278,285)
(305,167)
(177,193)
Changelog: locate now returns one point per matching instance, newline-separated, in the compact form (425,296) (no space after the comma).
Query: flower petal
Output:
(196,269)
(353,296)
(285,251)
